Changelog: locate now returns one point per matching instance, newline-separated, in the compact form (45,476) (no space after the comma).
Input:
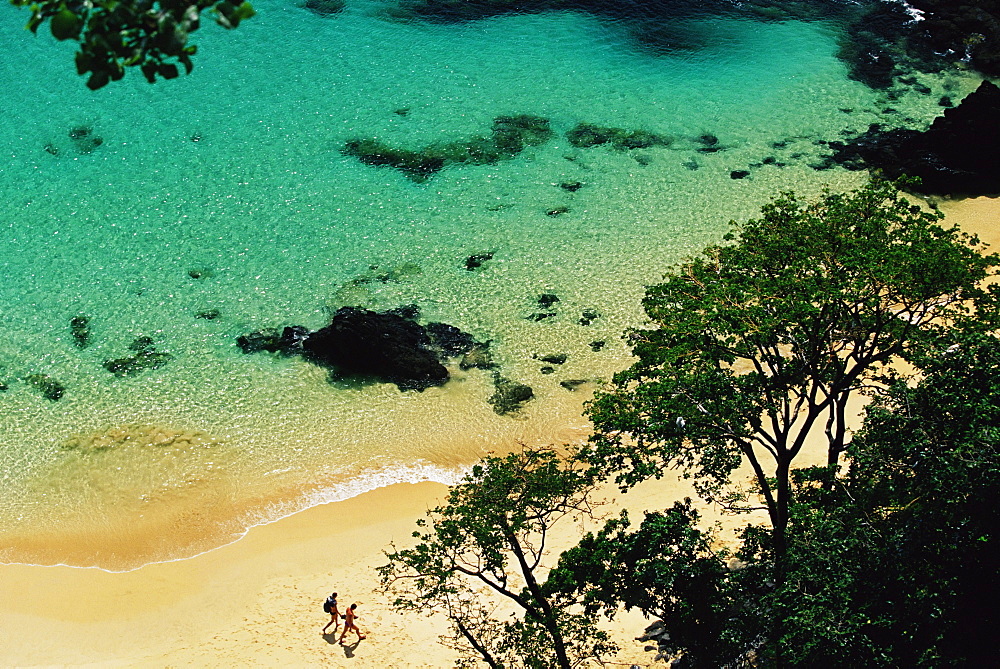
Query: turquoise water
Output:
(234,174)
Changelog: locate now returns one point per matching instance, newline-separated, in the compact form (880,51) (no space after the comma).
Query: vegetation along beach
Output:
(551,333)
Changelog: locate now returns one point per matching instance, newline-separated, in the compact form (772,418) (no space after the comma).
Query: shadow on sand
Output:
(349,648)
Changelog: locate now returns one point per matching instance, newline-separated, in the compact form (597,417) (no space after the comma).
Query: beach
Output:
(256,602)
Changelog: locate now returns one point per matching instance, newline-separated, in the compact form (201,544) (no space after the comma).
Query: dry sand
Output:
(257,602)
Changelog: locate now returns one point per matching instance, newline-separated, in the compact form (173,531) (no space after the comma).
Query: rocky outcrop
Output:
(358,342)
(968,30)
(389,346)
(958,155)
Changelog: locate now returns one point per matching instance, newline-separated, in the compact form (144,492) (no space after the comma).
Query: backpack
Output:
(328,604)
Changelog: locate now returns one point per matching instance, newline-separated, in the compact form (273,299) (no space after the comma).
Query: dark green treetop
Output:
(115,34)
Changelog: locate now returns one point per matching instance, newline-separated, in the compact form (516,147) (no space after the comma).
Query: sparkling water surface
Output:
(227,190)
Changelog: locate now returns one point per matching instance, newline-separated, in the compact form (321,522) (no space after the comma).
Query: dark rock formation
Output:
(571,186)
(546,300)
(870,49)
(959,154)
(79,327)
(50,389)
(510,395)
(554,358)
(476,260)
(448,339)
(510,136)
(389,346)
(969,29)
(739,174)
(208,314)
(572,384)
(589,316)
(144,357)
(358,342)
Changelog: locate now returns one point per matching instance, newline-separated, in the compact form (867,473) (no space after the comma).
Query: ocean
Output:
(178,216)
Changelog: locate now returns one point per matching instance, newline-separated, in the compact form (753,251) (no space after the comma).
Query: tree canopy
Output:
(764,339)
(116,34)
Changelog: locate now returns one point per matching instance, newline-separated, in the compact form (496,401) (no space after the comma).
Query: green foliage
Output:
(492,534)
(668,569)
(115,34)
(763,340)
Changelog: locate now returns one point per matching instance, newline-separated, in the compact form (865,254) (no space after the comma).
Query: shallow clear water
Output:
(234,174)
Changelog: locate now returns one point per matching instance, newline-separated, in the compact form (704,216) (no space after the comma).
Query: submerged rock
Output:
(958,154)
(79,327)
(325,7)
(145,357)
(49,388)
(510,396)
(510,136)
(84,138)
(451,341)
(137,435)
(476,260)
(478,357)
(546,300)
(585,135)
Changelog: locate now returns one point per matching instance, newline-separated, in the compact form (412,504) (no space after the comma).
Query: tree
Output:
(493,533)
(763,340)
(757,345)
(114,34)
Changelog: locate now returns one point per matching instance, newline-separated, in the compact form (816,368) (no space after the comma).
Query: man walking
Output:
(330,606)
(349,625)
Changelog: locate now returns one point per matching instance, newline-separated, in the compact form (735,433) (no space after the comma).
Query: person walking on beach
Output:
(349,625)
(330,606)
